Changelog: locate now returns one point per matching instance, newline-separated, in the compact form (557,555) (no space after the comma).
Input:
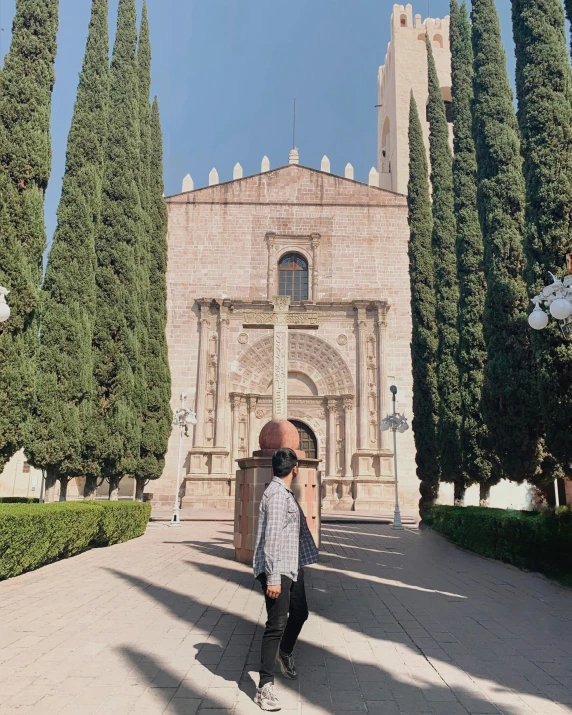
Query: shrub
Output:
(539,541)
(32,535)
(121,521)
(18,500)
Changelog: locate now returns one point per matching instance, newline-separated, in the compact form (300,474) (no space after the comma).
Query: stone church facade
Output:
(339,249)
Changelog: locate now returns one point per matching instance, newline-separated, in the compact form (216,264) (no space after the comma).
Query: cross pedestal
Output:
(253,475)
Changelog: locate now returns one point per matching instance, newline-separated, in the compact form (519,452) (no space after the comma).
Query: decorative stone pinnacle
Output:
(294,156)
(188,184)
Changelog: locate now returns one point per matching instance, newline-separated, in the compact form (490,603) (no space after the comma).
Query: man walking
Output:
(284,545)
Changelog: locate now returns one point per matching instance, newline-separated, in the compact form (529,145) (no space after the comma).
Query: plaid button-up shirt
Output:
(284,542)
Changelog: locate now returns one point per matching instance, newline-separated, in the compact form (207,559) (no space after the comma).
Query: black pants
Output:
(286,616)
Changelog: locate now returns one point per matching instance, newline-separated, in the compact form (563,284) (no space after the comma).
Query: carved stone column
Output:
(202,373)
(381,329)
(315,246)
(362,396)
(236,399)
(271,240)
(348,442)
(346,489)
(252,402)
(221,396)
(332,413)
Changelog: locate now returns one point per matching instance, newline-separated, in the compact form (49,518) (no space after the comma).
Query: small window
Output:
(293,272)
(438,41)
(404,21)
(26,468)
(449,110)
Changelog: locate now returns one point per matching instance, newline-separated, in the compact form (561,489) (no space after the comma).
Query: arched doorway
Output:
(308,441)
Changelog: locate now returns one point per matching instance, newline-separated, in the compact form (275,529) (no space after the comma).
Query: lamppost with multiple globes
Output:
(4,307)
(182,418)
(396,423)
(557,297)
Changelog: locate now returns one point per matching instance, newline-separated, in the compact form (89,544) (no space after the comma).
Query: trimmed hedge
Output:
(121,521)
(32,535)
(538,541)
(19,500)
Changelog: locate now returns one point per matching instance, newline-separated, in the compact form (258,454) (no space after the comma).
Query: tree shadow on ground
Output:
(408,611)
(328,678)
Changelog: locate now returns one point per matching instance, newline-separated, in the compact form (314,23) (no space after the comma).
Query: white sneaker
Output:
(266,698)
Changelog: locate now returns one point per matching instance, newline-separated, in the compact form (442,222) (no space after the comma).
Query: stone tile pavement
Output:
(401,623)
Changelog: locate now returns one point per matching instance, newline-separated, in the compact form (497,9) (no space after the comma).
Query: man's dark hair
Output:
(283,462)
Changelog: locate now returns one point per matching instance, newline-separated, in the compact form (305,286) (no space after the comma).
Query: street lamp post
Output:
(182,418)
(557,297)
(396,423)
(4,307)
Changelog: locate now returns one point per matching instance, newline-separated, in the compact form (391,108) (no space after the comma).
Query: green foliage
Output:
(532,540)
(32,535)
(544,92)
(424,340)
(446,284)
(510,403)
(115,344)
(145,466)
(63,430)
(18,500)
(26,82)
(158,416)
(121,521)
(470,268)
(36,534)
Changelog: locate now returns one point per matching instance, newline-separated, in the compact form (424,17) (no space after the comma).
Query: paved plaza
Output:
(170,623)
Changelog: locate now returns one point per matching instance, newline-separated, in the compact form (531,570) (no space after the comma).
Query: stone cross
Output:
(280,320)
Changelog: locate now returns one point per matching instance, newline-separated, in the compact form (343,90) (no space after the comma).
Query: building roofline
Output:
(281,168)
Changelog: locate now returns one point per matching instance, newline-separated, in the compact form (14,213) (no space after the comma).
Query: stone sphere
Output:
(279,433)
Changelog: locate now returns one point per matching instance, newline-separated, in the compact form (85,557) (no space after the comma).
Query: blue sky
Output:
(226,71)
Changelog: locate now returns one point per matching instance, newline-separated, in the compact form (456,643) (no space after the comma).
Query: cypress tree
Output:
(510,404)
(115,339)
(26,83)
(470,268)
(446,284)
(143,470)
(158,416)
(424,342)
(544,92)
(62,433)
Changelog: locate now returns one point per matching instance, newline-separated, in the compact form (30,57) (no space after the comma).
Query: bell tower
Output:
(405,69)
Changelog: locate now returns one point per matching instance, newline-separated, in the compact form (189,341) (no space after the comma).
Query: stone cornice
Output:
(309,306)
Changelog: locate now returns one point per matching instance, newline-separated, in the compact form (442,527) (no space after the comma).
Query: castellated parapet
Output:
(405,69)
